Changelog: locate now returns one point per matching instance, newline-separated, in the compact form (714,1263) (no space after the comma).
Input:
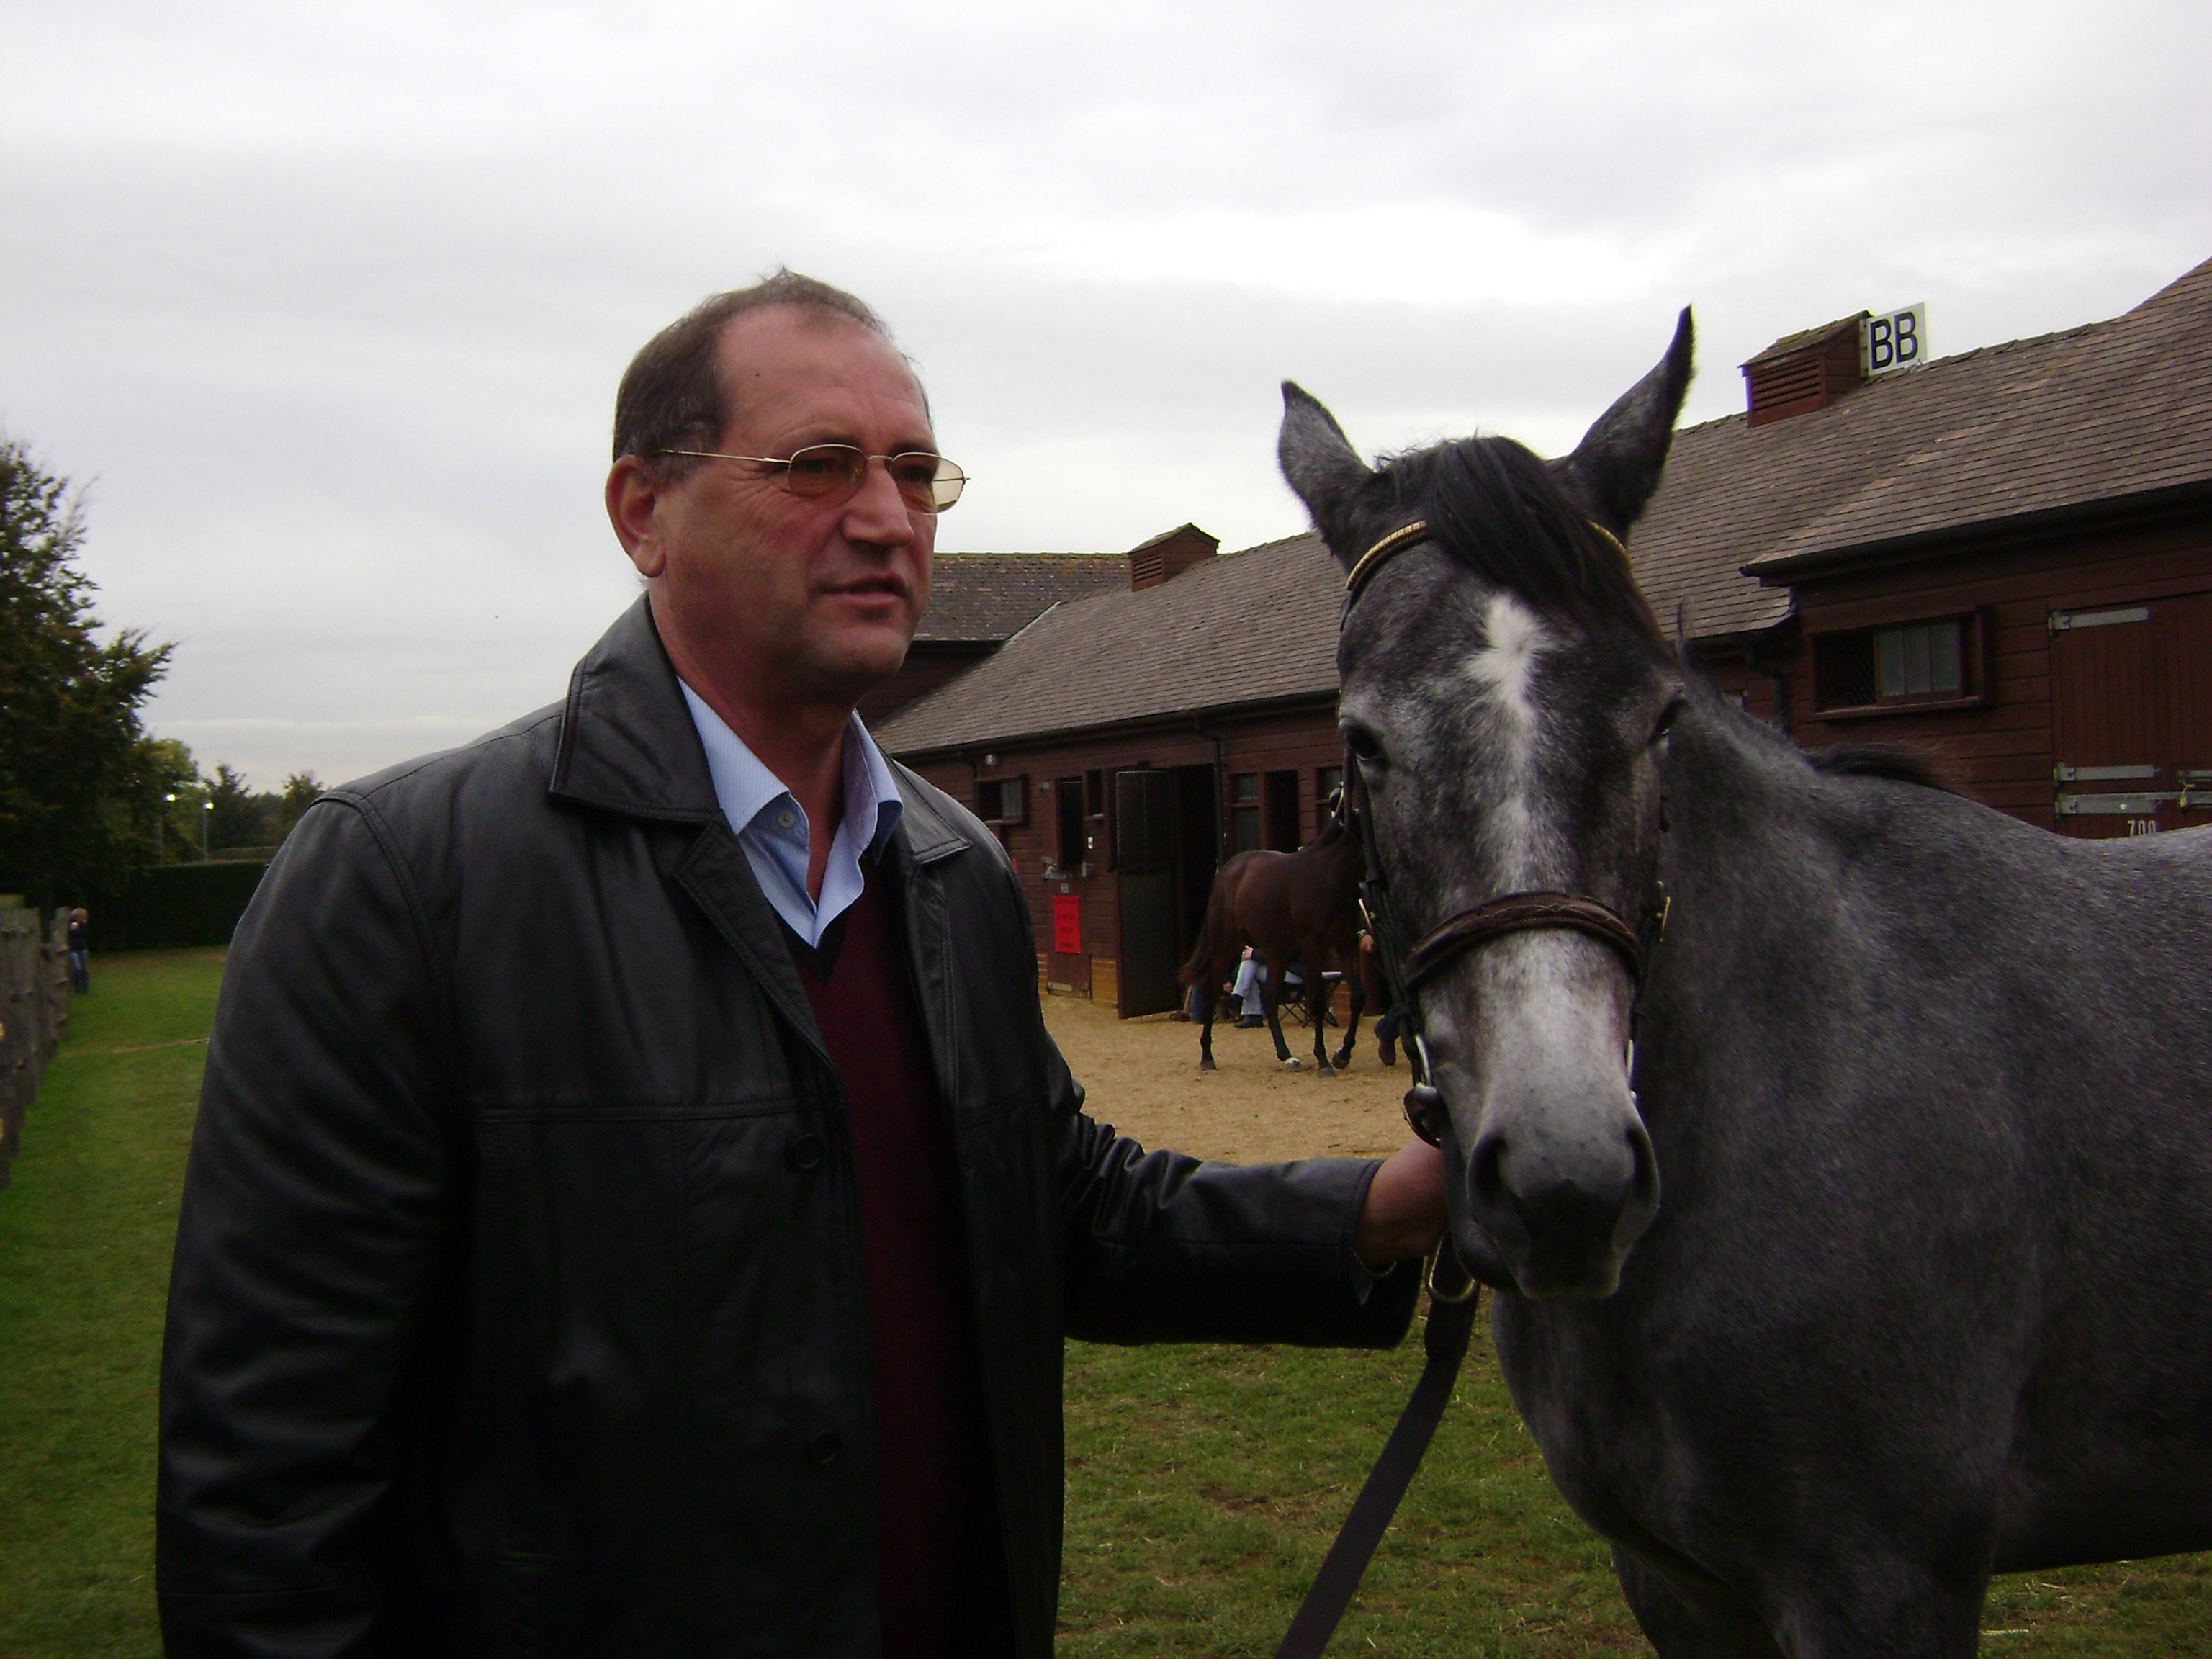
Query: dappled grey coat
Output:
(501,1321)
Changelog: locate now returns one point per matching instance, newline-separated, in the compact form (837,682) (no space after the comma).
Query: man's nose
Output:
(877,512)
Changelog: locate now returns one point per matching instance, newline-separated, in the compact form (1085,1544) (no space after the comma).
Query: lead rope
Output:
(1451,1320)
(1454,1296)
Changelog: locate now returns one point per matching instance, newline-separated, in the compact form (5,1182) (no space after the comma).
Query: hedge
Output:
(175,904)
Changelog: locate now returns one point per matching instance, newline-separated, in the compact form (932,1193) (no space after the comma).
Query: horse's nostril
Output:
(1645,1180)
(1485,1169)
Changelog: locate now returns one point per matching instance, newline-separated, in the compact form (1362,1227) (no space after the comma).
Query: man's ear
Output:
(1616,466)
(1318,463)
(632,496)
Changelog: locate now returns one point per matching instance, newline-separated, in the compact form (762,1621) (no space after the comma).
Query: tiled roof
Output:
(2095,413)
(988,596)
(2103,411)
(1246,627)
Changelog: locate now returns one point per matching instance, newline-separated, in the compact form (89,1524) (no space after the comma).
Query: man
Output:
(635,1208)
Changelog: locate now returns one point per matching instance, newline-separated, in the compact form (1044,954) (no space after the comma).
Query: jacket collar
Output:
(627,741)
(926,834)
(629,745)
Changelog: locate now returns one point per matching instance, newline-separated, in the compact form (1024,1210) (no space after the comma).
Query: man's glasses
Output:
(928,483)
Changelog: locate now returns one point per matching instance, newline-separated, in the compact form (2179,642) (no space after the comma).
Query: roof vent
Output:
(1801,372)
(1168,554)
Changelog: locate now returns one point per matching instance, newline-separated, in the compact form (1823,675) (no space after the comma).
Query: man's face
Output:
(777,598)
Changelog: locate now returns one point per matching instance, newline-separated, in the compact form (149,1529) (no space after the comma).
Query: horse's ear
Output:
(1318,461)
(1616,466)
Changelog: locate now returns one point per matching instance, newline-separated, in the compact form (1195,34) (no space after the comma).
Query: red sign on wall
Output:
(1067,923)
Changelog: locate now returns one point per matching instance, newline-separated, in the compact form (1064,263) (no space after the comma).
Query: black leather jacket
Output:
(517,1272)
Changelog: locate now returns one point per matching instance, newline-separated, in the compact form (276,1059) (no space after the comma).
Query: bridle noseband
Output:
(1404,972)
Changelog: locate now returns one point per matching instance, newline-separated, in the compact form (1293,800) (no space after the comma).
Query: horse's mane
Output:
(1898,761)
(1499,510)
(1331,833)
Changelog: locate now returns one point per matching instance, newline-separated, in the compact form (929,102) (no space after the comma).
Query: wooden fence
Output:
(34,1011)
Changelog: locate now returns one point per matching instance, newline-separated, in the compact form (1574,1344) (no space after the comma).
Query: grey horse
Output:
(1881,1261)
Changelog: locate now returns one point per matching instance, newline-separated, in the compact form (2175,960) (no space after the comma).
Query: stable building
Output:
(2003,557)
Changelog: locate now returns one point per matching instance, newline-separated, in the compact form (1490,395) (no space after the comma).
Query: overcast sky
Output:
(327,304)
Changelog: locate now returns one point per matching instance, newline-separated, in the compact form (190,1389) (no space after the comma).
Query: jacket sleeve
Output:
(1158,1247)
(315,1227)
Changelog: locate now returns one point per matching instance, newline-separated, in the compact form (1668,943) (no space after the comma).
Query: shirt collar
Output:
(746,788)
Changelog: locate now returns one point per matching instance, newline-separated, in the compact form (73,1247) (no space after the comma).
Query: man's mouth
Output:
(873,587)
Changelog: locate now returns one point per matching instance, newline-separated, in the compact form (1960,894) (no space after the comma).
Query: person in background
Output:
(80,951)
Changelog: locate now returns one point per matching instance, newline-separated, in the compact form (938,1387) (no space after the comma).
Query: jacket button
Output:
(822,1451)
(805,1154)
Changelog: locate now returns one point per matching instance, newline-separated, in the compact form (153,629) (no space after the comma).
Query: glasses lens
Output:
(938,482)
(920,477)
(822,468)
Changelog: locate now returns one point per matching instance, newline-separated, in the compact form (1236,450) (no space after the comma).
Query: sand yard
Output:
(1142,1076)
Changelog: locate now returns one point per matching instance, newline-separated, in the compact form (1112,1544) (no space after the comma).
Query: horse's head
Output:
(1506,695)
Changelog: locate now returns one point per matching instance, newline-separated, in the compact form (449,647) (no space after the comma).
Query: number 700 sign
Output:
(1897,340)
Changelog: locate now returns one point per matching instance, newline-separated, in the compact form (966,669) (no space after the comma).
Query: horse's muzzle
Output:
(1563,1214)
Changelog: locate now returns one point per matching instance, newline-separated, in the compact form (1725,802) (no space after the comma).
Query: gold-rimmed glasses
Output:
(927,482)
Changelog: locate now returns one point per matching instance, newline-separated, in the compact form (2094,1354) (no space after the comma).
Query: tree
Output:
(78,792)
(169,784)
(237,817)
(301,791)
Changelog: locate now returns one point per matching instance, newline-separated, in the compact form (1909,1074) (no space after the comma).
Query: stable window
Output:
(1094,793)
(1002,800)
(1282,811)
(1921,663)
(1918,661)
(1244,811)
(1073,850)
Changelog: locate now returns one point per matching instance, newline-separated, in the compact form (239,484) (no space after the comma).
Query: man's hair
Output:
(671,395)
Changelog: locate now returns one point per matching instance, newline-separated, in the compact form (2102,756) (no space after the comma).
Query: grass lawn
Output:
(86,1228)
(1203,1483)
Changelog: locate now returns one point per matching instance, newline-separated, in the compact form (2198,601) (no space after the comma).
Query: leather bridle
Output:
(1405,970)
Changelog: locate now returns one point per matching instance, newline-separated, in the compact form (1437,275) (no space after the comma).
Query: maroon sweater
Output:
(936,1540)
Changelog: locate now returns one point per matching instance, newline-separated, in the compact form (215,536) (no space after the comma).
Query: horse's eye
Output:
(1366,748)
(1667,716)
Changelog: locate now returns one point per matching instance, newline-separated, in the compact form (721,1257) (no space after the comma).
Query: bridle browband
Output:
(1405,971)
(1406,534)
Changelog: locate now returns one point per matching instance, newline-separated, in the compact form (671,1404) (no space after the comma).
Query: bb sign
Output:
(1897,340)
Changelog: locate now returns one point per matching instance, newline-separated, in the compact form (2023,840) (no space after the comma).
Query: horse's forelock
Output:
(1500,511)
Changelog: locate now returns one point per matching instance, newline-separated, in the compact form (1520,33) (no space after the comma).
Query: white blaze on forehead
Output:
(1506,663)
(1504,670)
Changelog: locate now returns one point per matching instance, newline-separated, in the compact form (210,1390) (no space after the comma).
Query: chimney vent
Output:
(1801,372)
(1170,554)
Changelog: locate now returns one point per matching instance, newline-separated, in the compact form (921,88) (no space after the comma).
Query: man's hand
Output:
(1404,1215)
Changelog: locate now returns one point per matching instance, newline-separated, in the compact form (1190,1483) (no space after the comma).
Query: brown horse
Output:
(1297,907)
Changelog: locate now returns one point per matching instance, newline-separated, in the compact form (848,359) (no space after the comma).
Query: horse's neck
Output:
(1334,865)
(1755,863)
(1748,818)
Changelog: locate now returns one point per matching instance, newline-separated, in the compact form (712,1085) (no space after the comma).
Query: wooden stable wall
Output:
(2043,690)
(1302,740)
